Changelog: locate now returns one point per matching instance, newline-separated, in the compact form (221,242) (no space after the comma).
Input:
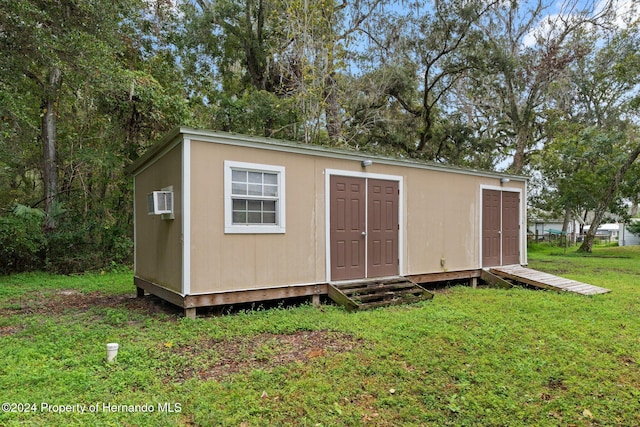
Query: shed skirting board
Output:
(191,302)
(166,294)
(232,297)
(239,297)
(444,276)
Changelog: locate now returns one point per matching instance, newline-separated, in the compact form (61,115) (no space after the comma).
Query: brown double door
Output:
(363,227)
(500,228)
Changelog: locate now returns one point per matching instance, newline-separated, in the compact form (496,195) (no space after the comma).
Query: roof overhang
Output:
(218,137)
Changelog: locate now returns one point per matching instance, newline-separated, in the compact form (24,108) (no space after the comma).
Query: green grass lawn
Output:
(485,357)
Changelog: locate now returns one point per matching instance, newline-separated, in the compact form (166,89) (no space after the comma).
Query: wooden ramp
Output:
(546,280)
(368,294)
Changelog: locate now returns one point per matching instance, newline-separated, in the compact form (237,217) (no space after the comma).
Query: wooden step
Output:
(376,288)
(388,295)
(495,281)
(377,293)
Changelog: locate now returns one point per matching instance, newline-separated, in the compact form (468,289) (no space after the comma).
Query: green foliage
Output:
(634,227)
(256,112)
(121,89)
(89,242)
(587,163)
(579,167)
(76,245)
(265,68)
(22,241)
(402,103)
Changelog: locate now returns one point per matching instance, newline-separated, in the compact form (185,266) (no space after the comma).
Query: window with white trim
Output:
(254,198)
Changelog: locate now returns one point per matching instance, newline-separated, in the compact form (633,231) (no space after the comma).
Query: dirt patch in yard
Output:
(5,331)
(66,300)
(217,359)
(202,358)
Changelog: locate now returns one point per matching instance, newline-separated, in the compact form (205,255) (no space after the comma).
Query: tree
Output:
(634,227)
(525,50)
(414,64)
(52,43)
(593,142)
(442,45)
(231,50)
(584,171)
(284,54)
(610,191)
(91,87)
(610,102)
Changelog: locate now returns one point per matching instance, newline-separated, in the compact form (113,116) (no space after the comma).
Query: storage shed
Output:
(223,218)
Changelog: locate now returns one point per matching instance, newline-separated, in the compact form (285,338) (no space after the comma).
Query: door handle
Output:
(364,233)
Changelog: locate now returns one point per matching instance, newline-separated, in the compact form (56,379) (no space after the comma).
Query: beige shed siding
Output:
(441,212)
(158,241)
(222,262)
(443,220)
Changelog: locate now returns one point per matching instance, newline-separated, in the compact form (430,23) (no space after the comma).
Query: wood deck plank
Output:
(582,288)
(372,288)
(340,298)
(372,293)
(547,281)
(405,293)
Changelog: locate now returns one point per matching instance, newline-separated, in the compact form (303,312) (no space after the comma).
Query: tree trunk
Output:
(522,138)
(49,144)
(330,86)
(567,218)
(587,244)
(254,48)
(332,109)
(565,225)
(426,135)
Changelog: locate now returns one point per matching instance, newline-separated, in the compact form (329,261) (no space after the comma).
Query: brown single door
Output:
(348,227)
(510,228)
(491,212)
(382,228)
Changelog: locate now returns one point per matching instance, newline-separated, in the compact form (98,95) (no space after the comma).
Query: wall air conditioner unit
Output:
(161,203)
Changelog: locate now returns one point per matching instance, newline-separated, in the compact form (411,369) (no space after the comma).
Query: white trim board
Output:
(186,216)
